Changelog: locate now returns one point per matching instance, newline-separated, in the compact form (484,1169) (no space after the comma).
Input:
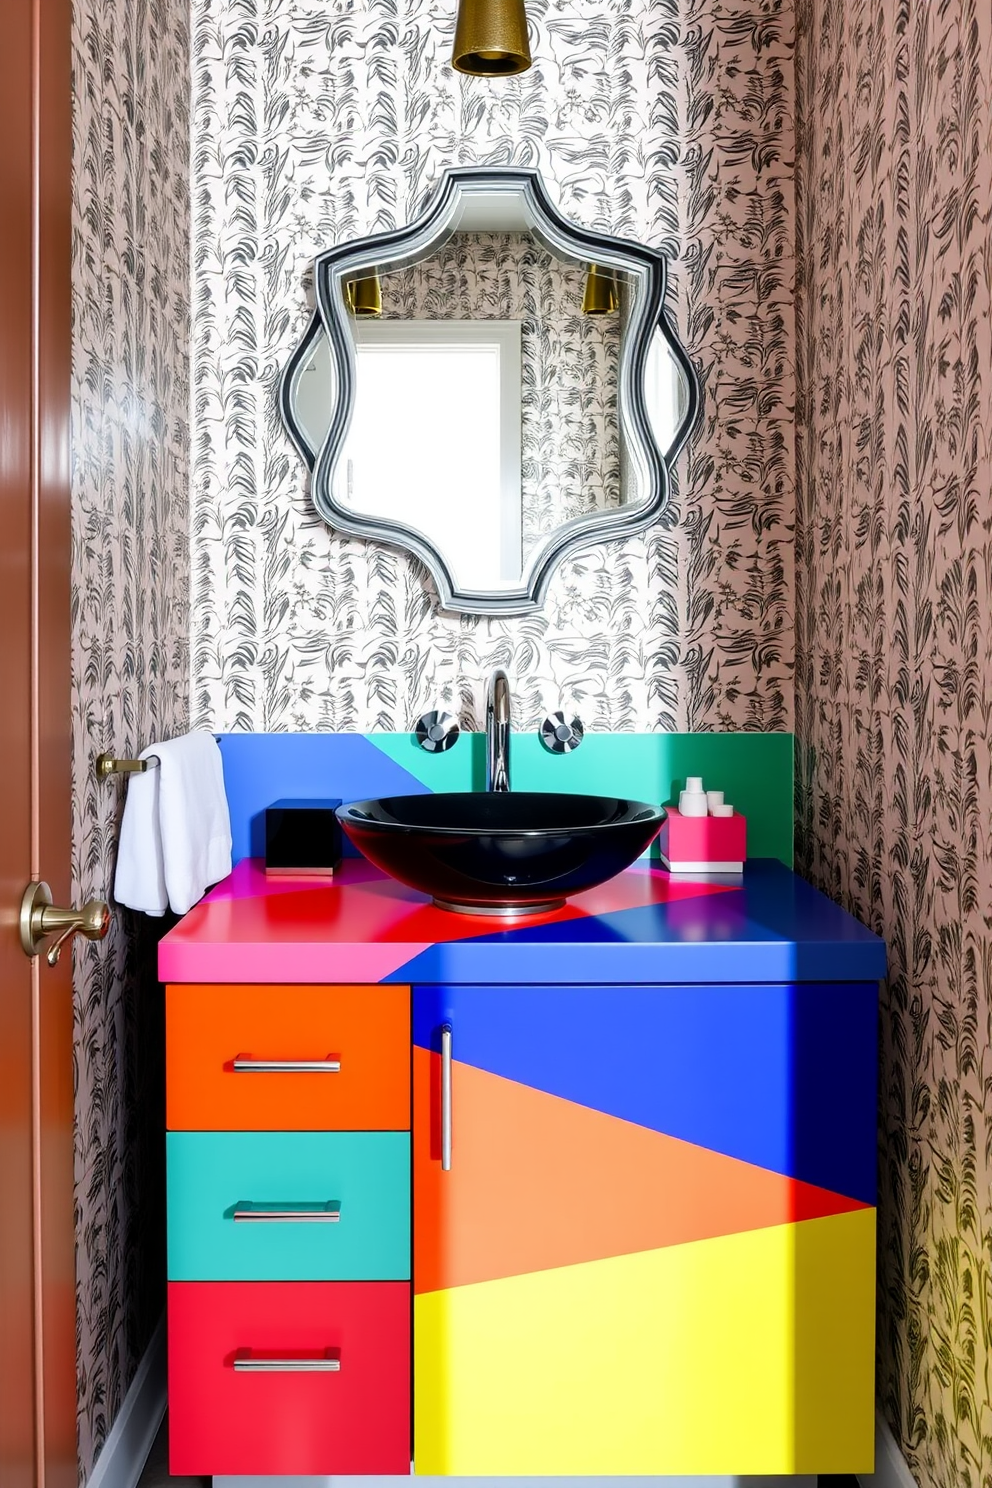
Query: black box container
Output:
(302,837)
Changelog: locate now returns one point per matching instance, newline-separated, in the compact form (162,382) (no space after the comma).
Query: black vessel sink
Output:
(513,852)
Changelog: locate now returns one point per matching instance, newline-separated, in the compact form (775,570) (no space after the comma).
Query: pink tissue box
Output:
(703,844)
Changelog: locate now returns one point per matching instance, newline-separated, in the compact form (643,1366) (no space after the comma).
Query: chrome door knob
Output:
(40,918)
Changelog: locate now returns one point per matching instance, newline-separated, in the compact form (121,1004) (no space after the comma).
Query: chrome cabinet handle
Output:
(245,1065)
(328,1212)
(445,1097)
(246,1363)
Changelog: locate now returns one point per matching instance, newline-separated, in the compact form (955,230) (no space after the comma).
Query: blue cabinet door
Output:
(653,1249)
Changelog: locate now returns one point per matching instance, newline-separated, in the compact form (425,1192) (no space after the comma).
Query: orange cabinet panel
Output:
(231,1052)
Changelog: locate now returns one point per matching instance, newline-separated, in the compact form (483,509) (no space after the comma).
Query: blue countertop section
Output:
(774,928)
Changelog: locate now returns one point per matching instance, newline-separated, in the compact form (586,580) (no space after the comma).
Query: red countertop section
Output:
(362,926)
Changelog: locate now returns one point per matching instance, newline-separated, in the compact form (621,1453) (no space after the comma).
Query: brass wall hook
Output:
(106,765)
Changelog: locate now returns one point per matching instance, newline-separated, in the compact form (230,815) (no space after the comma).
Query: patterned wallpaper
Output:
(569,427)
(668,121)
(130,486)
(894,647)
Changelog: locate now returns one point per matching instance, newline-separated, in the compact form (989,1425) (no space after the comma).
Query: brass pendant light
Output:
(364,297)
(601,295)
(491,38)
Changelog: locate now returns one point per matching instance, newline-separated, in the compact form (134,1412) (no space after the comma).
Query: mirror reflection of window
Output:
(665,392)
(313,394)
(434,441)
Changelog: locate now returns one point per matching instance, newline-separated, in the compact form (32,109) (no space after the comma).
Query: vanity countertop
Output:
(642,927)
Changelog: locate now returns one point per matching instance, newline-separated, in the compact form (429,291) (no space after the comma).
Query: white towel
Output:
(175,838)
(139,881)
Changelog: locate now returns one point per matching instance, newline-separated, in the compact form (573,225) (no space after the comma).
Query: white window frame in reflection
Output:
(666,394)
(466,551)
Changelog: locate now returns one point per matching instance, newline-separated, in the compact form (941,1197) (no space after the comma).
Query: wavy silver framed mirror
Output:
(490,388)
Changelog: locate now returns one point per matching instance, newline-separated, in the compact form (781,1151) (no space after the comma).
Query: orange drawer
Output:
(231,1052)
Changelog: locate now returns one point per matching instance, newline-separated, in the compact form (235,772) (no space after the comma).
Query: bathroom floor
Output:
(156,1471)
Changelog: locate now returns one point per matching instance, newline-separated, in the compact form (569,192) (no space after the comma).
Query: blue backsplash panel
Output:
(755,771)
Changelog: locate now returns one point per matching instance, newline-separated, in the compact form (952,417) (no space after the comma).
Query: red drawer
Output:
(241,1399)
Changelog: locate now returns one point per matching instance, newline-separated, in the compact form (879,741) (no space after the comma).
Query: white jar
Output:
(692,801)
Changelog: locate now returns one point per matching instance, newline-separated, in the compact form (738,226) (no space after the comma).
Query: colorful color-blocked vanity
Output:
(653,1249)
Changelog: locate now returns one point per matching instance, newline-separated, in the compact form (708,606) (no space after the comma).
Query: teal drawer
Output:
(283,1186)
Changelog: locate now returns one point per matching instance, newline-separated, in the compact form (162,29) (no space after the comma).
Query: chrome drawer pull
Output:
(445,1097)
(328,1212)
(246,1363)
(245,1065)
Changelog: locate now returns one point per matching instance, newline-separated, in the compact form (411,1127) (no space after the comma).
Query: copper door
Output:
(37,1318)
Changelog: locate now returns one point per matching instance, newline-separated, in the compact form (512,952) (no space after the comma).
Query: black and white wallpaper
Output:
(894,651)
(669,121)
(130,629)
(201,574)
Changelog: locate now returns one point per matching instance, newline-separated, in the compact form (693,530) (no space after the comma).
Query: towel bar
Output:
(106,765)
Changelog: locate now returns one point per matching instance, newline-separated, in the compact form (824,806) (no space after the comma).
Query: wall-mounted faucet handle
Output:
(561,736)
(437,731)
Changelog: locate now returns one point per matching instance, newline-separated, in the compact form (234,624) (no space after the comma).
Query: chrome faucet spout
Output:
(498,732)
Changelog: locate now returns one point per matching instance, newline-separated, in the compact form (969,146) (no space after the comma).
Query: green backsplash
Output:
(753,770)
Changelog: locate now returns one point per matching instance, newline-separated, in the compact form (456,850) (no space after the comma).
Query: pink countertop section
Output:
(359,926)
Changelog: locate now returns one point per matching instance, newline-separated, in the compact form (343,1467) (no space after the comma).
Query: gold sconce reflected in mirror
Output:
(491,38)
(601,296)
(364,297)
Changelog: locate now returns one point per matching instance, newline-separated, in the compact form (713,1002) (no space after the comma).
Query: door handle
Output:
(446,1097)
(40,918)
